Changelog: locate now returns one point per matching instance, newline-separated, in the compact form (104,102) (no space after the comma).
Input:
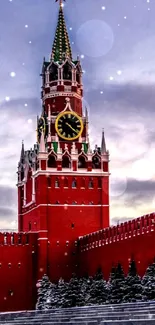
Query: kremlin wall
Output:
(63,195)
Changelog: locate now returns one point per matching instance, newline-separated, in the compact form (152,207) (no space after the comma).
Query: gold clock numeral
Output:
(69,115)
(64,134)
(60,130)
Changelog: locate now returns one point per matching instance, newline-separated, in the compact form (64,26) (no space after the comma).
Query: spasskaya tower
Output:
(63,185)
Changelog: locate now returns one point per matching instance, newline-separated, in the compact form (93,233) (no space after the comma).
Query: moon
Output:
(95,38)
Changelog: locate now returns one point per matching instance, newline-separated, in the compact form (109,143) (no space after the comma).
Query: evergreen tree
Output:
(74,295)
(116,285)
(134,288)
(43,287)
(51,297)
(98,291)
(62,294)
(148,282)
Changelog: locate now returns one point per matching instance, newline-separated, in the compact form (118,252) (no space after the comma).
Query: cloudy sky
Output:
(116,42)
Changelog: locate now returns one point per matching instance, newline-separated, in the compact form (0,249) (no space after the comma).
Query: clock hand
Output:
(71,127)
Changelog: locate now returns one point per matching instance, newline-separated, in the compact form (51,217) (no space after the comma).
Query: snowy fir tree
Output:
(116,286)
(98,292)
(148,282)
(74,296)
(51,297)
(133,285)
(85,285)
(62,294)
(43,288)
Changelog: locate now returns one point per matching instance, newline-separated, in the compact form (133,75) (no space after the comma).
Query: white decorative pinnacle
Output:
(56,138)
(73,150)
(66,147)
(68,105)
(42,148)
(82,147)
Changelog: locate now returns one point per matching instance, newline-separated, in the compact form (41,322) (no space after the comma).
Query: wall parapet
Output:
(126,230)
(14,238)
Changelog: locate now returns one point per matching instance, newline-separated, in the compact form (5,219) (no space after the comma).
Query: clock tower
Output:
(63,185)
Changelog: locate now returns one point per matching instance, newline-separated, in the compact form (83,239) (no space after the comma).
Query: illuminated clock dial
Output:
(69,125)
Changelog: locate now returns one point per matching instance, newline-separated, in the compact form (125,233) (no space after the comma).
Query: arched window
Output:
(83,183)
(66,162)
(53,73)
(91,184)
(51,161)
(82,162)
(65,182)
(57,202)
(74,202)
(96,162)
(67,72)
(74,183)
(57,183)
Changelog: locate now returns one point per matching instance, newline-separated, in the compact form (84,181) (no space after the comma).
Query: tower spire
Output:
(61,44)
(22,152)
(103,144)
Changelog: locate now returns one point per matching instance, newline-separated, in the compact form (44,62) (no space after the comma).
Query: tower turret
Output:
(66,184)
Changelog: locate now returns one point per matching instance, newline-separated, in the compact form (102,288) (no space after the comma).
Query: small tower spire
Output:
(103,144)
(61,42)
(22,155)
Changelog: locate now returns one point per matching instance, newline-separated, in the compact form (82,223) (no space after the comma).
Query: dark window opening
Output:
(57,202)
(53,73)
(10,292)
(66,162)
(27,239)
(67,72)
(74,202)
(82,162)
(77,77)
(52,162)
(72,225)
(96,163)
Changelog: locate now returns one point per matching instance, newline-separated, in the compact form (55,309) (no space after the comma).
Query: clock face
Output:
(69,125)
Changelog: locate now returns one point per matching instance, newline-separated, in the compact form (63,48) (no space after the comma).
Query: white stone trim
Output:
(70,172)
(66,205)
(61,94)
(28,204)
(42,238)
